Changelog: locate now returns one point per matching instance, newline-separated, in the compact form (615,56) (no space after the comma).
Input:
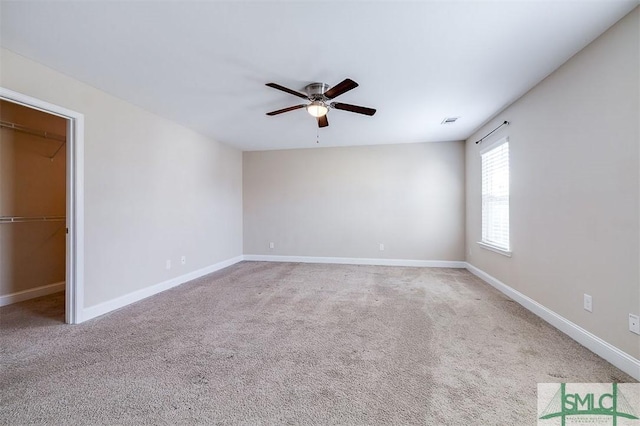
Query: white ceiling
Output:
(205,64)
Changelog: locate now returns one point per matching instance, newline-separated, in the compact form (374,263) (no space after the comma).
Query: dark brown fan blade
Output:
(289,91)
(354,108)
(280,111)
(340,88)
(323,121)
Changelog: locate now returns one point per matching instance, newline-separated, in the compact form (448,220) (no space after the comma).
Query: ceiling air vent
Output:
(449,120)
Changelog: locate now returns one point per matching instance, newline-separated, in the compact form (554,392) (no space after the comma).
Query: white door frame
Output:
(74,276)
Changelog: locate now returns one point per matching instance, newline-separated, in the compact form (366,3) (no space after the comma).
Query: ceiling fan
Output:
(319,94)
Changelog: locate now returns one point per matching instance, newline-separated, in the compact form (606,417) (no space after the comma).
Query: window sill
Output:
(495,249)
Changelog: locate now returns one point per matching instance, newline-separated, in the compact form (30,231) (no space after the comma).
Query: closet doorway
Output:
(41,215)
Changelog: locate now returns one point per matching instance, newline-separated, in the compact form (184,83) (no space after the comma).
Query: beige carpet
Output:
(269,343)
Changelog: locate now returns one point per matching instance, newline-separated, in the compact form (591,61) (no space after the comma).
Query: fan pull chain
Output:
(318,135)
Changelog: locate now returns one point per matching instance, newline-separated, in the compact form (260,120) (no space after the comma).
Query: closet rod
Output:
(31,131)
(15,219)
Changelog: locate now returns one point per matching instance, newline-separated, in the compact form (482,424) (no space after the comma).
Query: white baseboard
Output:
(358,261)
(615,356)
(31,293)
(127,299)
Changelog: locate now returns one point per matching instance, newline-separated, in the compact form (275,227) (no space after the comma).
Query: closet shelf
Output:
(36,132)
(31,131)
(16,219)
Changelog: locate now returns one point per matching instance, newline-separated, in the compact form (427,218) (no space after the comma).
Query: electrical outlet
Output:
(183,260)
(168,264)
(634,323)
(588,303)
(272,245)
(381,247)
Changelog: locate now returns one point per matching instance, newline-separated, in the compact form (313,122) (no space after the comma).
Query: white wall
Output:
(574,146)
(154,190)
(344,202)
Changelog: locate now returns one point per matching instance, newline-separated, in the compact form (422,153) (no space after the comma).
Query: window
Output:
(495,197)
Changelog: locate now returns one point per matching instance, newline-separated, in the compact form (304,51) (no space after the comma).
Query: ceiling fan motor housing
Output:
(316,91)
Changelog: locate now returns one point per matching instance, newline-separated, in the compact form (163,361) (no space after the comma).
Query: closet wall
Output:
(32,185)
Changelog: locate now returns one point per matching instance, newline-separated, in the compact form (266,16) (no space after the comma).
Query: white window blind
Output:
(495,196)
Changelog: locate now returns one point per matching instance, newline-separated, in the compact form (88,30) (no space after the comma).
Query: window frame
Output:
(486,244)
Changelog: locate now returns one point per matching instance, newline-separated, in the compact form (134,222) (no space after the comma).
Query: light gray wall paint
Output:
(344,202)
(154,190)
(574,143)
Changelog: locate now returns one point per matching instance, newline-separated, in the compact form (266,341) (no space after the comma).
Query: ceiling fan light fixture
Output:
(317,109)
